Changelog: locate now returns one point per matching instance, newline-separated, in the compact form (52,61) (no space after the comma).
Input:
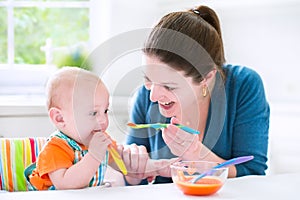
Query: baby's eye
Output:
(94,113)
(106,111)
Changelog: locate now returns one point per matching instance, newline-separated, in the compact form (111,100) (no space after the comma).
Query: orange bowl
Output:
(183,171)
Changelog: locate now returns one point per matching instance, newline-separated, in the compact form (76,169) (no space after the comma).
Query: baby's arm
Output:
(80,174)
(77,176)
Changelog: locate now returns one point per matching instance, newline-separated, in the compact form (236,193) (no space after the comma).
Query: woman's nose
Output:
(156,92)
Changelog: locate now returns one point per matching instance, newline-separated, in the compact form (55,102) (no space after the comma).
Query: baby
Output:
(75,156)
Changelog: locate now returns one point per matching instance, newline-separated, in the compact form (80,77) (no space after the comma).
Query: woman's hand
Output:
(135,158)
(160,167)
(185,145)
(140,166)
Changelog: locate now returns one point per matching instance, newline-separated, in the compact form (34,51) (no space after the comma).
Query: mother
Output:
(188,82)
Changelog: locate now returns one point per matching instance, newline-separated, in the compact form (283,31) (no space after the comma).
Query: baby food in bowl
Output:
(184,174)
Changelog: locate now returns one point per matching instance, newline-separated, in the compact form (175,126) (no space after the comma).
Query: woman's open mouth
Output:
(166,105)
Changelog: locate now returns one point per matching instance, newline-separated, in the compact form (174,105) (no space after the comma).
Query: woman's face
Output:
(177,95)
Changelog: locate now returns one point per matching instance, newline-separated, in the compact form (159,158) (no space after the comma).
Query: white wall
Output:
(261,34)
(266,38)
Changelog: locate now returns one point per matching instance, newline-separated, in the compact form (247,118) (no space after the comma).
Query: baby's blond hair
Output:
(61,84)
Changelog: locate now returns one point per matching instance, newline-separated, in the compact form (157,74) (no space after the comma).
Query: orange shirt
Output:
(56,154)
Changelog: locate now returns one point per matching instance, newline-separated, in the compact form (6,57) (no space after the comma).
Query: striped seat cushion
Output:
(16,154)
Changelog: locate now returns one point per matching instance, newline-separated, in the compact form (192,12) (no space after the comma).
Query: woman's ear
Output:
(210,78)
(211,75)
(56,117)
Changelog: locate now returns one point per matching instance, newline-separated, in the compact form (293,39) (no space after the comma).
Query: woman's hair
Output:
(189,41)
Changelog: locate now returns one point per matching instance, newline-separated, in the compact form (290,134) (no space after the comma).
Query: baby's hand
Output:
(98,145)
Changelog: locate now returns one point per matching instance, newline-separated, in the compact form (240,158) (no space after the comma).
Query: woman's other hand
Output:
(140,166)
(135,158)
(182,144)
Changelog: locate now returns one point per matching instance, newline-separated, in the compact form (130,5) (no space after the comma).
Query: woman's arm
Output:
(251,127)
(137,137)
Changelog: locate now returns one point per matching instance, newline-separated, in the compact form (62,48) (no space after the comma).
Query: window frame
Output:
(8,70)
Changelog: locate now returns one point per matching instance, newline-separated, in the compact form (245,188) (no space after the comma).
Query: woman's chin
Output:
(167,113)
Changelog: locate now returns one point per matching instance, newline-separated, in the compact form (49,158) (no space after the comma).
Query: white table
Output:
(284,186)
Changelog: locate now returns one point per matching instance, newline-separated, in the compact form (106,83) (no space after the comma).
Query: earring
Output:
(204,90)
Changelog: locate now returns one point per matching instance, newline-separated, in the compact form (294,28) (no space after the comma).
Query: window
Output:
(37,35)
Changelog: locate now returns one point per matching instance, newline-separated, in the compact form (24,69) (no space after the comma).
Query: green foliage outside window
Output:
(32,26)
(3,36)
(73,56)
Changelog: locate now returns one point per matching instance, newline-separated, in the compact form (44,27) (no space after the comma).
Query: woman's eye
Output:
(93,113)
(147,83)
(169,88)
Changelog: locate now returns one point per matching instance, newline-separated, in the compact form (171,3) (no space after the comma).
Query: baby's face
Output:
(87,112)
